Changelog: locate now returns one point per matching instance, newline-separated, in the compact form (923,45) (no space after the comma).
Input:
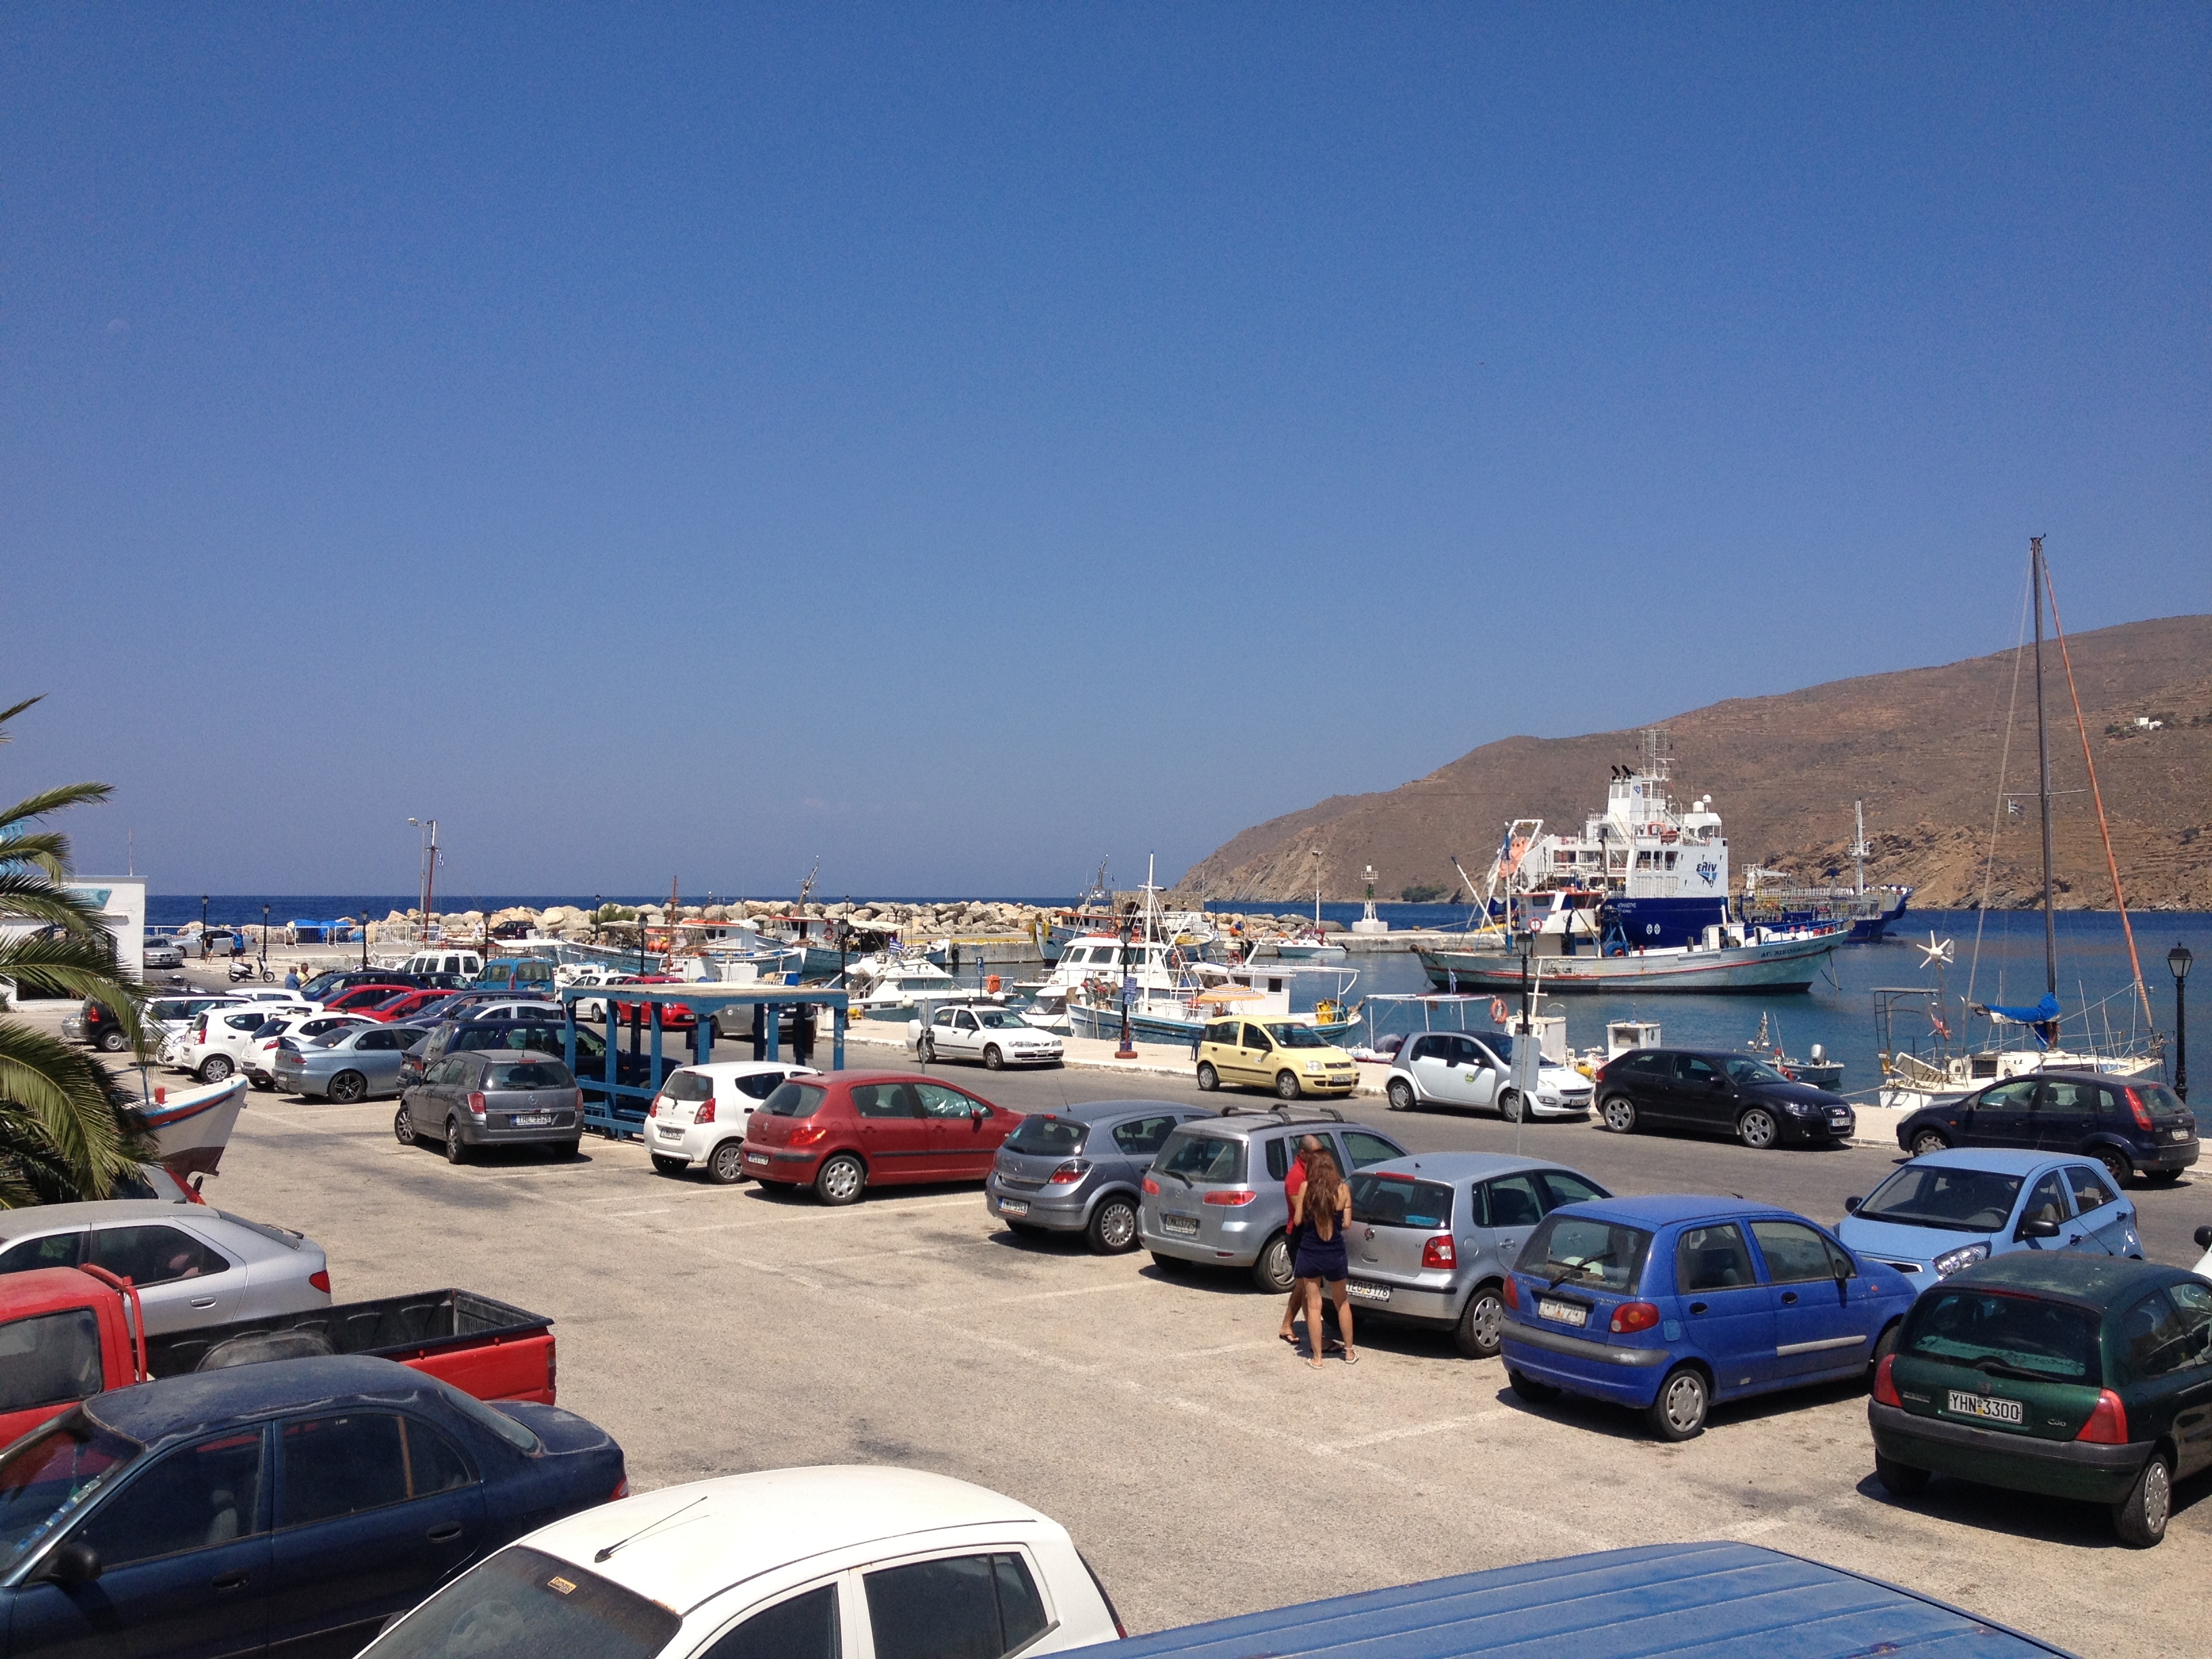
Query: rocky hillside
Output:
(1921,747)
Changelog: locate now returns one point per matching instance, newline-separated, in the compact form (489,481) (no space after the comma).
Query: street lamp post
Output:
(2178,960)
(265,941)
(1128,1048)
(204,938)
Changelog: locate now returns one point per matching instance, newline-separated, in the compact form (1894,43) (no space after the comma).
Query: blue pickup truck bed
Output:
(1684,1600)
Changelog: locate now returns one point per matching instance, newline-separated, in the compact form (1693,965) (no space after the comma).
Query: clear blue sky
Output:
(963,443)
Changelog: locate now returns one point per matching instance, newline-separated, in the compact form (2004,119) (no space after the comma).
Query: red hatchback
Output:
(853,1130)
(402,1005)
(362,998)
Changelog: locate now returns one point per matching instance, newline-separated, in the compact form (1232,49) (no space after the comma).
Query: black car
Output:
(327,985)
(454,1037)
(1722,1093)
(292,1506)
(2130,1126)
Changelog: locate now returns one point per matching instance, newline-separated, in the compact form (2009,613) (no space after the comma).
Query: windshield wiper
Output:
(1580,1265)
(1998,1368)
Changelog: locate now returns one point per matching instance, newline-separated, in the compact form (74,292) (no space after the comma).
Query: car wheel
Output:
(113,1041)
(841,1180)
(1899,1479)
(1113,1227)
(993,1060)
(1286,1085)
(1481,1331)
(1401,1095)
(348,1087)
(671,1165)
(1619,1113)
(1758,1130)
(1528,1388)
(927,1049)
(726,1165)
(2119,1169)
(2140,1517)
(456,1150)
(1509,1105)
(1208,1078)
(1273,1270)
(1678,1413)
(403,1127)
(214,1068)
(1929,1140)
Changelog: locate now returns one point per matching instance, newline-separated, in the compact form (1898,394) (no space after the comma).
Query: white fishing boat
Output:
(192,1126)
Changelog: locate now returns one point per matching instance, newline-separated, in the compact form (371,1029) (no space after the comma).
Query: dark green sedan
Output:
(2053,1372)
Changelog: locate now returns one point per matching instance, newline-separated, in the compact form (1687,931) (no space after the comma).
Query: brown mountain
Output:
(1920,747)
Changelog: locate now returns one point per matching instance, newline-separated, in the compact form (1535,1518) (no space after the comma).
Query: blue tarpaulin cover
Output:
(2041,1013)
(1684,1600)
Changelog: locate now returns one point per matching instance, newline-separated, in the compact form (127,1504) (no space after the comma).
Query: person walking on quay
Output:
(1320,1213)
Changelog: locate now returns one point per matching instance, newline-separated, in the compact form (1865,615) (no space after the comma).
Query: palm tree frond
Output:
(7,714)
(53,800)
(72,1102)
(29,896)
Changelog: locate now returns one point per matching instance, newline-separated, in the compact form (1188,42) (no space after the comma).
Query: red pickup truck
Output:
(67,1333)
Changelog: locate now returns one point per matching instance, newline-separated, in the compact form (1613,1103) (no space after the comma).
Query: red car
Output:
(362,999)
(400,1006)
(852,1130)
(674,1016)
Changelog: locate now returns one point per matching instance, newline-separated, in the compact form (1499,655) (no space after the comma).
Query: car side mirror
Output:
(72,1563)
(1841,1268)
(2038,1227)
(2204,1238)
(1851,1205)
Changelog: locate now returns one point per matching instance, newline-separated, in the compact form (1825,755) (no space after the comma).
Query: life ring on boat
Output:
(1497,1011)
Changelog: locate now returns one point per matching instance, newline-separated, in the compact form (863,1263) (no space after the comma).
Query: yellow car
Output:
(1282,1055)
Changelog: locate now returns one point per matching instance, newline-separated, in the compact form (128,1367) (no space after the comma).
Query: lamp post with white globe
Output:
(2178,960)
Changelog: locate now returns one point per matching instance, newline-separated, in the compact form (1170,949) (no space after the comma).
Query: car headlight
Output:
(1964,1257)
(1314,1066)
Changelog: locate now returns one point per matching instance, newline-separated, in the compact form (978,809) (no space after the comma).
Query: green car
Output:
(2049,1371)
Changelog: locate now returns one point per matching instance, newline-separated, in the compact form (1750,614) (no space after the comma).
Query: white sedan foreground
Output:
(834,1563)
(997,1036)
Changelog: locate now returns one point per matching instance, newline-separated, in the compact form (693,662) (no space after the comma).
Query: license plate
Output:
(1185,1225)
(2178,1135)
(1367,1292)
(755,1158)
(1982,1405)
(1013,1206)
(667,1133)
(1562,1313)
(532,1120)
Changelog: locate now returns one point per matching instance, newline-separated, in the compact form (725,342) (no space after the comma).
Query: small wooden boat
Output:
(190,1127)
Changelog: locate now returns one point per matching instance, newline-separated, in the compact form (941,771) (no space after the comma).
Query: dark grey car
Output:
(1431,1236)
(1080,1170)
(1215,1191)
(495,1097)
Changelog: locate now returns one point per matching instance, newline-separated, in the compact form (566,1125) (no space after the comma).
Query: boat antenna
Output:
(2043,771)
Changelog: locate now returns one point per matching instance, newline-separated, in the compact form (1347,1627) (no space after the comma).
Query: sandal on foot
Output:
(1350,1357)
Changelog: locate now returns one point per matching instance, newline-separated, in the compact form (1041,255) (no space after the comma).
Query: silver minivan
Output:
(1431,1236)
(1214,1194)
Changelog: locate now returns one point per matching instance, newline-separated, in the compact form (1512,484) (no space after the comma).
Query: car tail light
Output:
(620,1491)
(476,1104)
(1152,1187)
(1513,1292)
(1068,1173)
(1634,1317)
(552,1365)
(200,1036)
(1439,1252)
(93,1011)
(1885,1386)
(653,1110)
(2141,1112)
(2108,1423)
(808,1137)
(706,1112)
(1232,1196)
(320,1278)
(579,1100)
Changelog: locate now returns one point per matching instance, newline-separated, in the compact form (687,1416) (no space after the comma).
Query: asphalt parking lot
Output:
(1202,1466)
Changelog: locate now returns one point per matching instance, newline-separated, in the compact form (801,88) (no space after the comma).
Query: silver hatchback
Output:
(1431,1236)
(493,1098)
(1214,1194)
(1078,1170)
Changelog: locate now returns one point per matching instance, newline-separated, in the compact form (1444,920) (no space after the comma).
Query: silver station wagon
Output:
(1432,1237)
(1214,1194)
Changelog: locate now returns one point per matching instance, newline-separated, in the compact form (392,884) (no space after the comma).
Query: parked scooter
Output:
(245,968)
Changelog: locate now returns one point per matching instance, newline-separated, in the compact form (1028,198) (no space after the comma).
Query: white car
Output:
(221,1038)
(1475,1069)
(997,1036)
(699,1116)
(302,1025)
(795,1563)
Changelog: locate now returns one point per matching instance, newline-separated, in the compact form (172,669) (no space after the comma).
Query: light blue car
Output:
(1948,1210)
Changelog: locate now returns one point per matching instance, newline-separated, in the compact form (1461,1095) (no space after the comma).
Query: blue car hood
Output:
(1894,1241)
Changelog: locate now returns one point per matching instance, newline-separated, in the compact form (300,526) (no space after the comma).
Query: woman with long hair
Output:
(1320,1213)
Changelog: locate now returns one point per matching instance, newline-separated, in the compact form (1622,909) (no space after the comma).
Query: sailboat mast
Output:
(2043,775)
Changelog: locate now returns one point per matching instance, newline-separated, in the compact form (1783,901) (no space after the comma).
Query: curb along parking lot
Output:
(714,1330)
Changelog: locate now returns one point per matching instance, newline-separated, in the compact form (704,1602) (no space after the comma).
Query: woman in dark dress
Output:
(1320,1213)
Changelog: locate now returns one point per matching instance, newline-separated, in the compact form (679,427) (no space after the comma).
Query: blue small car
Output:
(1945,1211)
(1668,1303)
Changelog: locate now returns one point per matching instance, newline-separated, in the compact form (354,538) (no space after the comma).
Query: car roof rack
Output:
(1286,1114)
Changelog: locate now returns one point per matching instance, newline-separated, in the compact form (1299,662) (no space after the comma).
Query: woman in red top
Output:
(1294,1180)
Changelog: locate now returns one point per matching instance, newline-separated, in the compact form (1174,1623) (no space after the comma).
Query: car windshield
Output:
(1289,1035)
(1500,1044)
(1197,1157)
(1964,1326)
(46,1476)
(1743,1069)
(1586,1251)
(1002,1019)
(1399,1200)
(795,1100)
(1047,1136)
(529,1074)
(521,1604)
(1953,1200)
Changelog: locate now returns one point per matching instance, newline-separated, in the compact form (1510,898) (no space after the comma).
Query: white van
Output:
(467,963)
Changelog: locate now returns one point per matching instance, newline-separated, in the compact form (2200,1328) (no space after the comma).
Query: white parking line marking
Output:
(1413,1430)
(662,1210)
